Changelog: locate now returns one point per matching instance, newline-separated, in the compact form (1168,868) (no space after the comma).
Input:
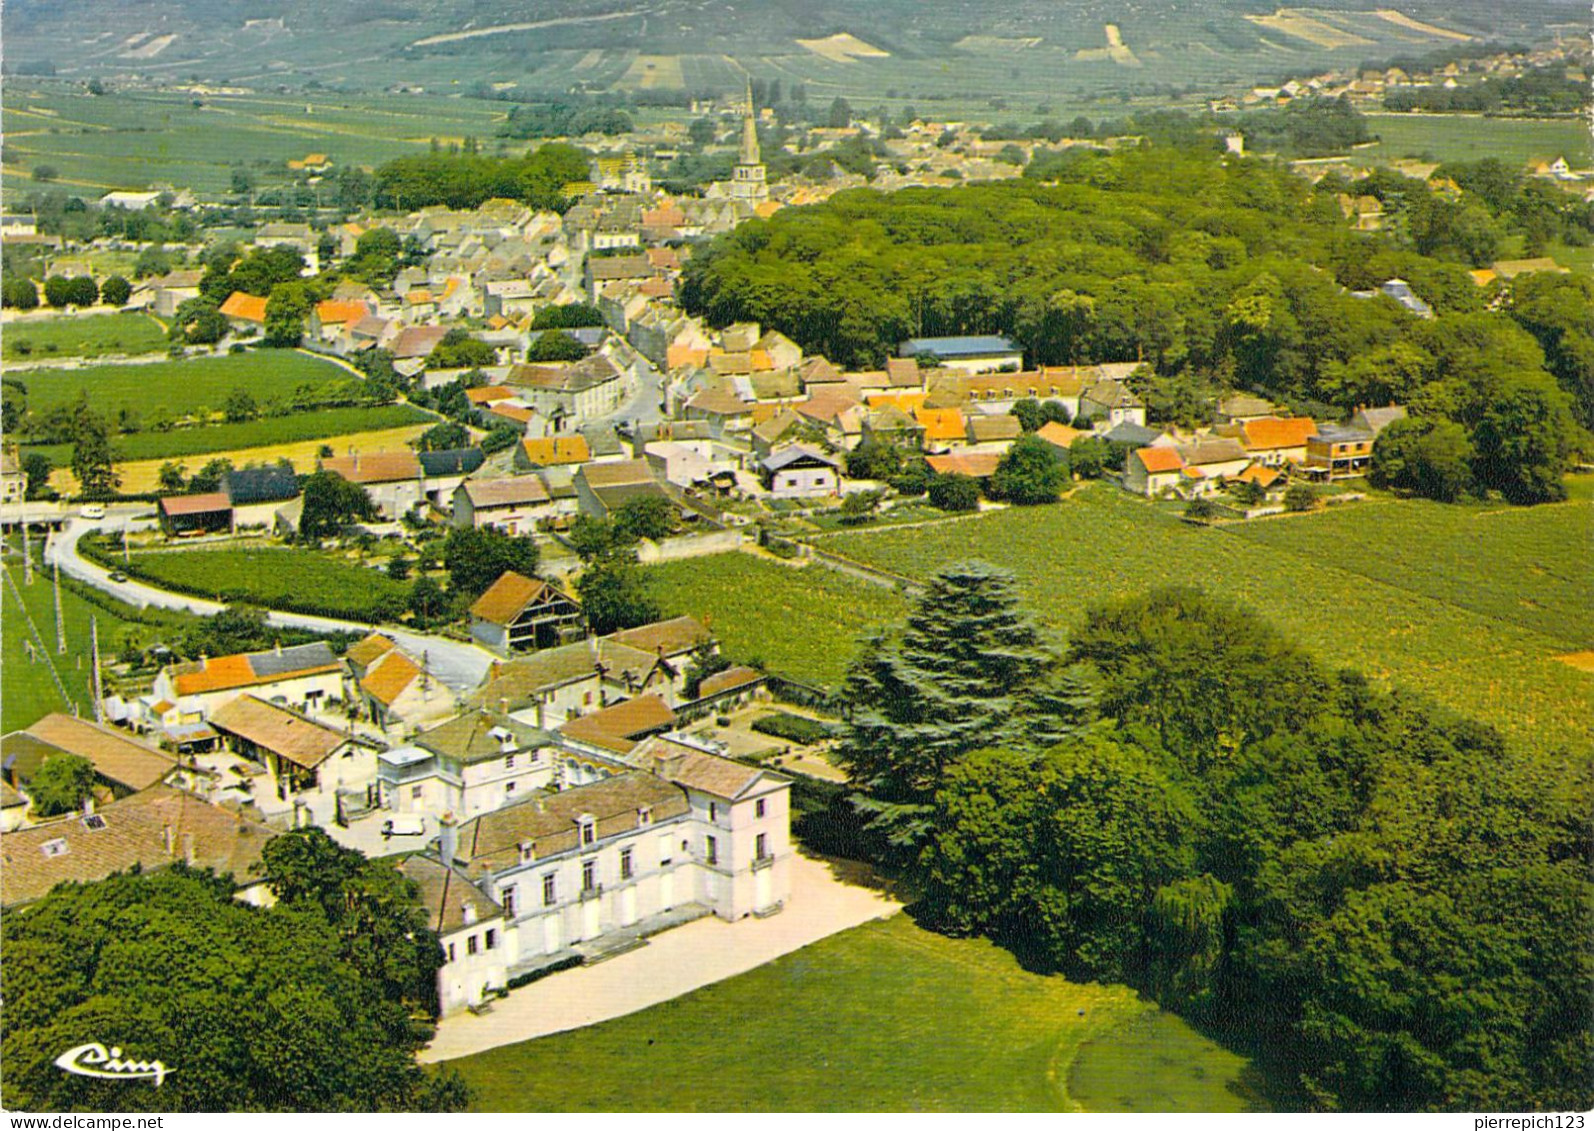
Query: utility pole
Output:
(27,555)
(60,617)
(94,647)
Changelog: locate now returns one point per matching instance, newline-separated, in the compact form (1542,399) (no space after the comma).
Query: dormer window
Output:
(589,830)
(644,816)
(527,854)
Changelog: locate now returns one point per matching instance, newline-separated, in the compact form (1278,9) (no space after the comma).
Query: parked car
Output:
(403,826)
(118,575)
(93,511)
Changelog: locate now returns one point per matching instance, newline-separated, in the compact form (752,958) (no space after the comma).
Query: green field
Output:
(296,580)
(313,424)
(1467,605)
(27,690)
(1459,137)
(94,335)
(178,388)
(885,1017)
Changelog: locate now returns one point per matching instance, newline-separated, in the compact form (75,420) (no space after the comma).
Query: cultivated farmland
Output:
(303,581)
(177,388)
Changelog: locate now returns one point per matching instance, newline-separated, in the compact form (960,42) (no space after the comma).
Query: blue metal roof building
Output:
(969,346)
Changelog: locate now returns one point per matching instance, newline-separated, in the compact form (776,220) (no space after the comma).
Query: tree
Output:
(1300,497)
(955,680)
(37,467)
(239,406)
(1029,474)
(426,599)
(1523,441)
(330,503)
(458,350)
(872,459)
(172,478)
(61,785)
(954,492)
(860,506)
(1430,457)
(448,436)
(1201,508)
(93,458)
(839,116)
(116,291)
(1033,414)
(475,558)
(705,661)
(19,294)
(209,477)
(286,310)
(58,291)
(648,516)
(45,173)
(702,131)
(567,316)
(555,345)
(614,595)
(1088,457)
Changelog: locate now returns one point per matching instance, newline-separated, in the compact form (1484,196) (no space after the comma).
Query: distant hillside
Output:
(884,48)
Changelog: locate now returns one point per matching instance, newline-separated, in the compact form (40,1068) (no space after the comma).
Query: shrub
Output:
(794,728)
(1300,497)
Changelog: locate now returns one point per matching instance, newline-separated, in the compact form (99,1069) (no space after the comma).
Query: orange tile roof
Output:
(507,597)
(369,650)
(1272,432)
(341,313)
(1060,435)
(387,681)
(552,451)
(907,402)
(1257,473)
(679,356)
(940,423)
(621,726)
(1159,460)
(216,675)
(487,394)
(248,308)
(976,465)
(515,412)
(374,467)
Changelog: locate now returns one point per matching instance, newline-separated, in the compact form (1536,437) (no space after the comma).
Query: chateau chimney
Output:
(188,849)
(447,839)
(88,806)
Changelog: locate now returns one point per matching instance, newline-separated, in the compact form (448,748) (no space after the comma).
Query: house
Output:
(993,431)
(394,480)
(305,676)
(477,762)
(586,390)
(1060,436)
(121,764)
(1213,458)
(392,685)
(517,613)
(674,639)
(514,505)
(548,687)
(1153,471)
(332,317)
(975,465)
(1241,407)
(478,951)
(602,488)
(132,201)
(620,727)
(244,311)
(553,451)
(301,756)
(195,514)
(1342,451)
(940,428)
(1274,440)
(172,290)
(1110,403)
(13,480)
(800,472)
(152,829)
(970,353)
(256,493)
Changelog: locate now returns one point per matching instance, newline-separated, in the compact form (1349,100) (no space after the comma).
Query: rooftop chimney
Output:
(447,839)
(188,849)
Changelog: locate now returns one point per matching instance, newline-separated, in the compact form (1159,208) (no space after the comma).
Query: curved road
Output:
(460,666)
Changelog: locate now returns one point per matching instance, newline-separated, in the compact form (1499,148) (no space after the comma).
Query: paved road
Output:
(673,963)
(460,666)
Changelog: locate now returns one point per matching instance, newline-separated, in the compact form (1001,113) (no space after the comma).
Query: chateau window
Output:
(509,897)
(760,846)
(713,811)
(549,891)
(451,952)
(711,851)
(492,940)
(589,875)
(470,945)
(758,807)
(625,863)
(644,816)
(509,761)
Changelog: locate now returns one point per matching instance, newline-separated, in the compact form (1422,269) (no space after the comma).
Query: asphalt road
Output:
(460,666)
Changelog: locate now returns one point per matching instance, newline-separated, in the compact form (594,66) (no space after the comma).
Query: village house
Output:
(517,613)
(121,765)
(306,676)
(301,756)
(477,762)
(244,312)
(1107,404)
(393,686)
(207,513)
(603,488)
(149,830)
(515,505)
(13,481)
(583,391)
(256,493)
(800,472)
(1274,441)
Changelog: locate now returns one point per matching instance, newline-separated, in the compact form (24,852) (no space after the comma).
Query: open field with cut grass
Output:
(206,440)
(92,336)
(1461,137)
(1467,605)
(865,1022)
(177,388)
(304,581)
(27,690)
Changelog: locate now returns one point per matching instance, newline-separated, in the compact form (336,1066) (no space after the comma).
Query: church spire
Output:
(750,153)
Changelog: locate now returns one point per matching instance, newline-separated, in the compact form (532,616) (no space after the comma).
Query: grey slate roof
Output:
(297,658)
(261,485)
(454,461)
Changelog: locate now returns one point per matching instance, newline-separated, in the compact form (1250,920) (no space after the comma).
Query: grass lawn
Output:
(314,424)
(93,335)
(803,622)
(296,580)
(27,691)
(176,388)
(885,1017)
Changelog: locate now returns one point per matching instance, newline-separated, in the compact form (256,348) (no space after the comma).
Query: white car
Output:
(93,511)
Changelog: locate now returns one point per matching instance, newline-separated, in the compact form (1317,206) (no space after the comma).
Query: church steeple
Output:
(748,179)
(750,152)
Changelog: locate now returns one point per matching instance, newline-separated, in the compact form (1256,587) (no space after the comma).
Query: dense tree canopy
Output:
(477,557)
(465,180)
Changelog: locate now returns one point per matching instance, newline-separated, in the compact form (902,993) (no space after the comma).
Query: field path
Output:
(499,29)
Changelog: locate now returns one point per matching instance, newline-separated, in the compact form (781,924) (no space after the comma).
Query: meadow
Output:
(304,581)
(209,439)
(1466,605)
(864,1024)
(94,335)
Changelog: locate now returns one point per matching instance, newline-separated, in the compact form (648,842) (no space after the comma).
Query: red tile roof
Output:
(1159,460)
